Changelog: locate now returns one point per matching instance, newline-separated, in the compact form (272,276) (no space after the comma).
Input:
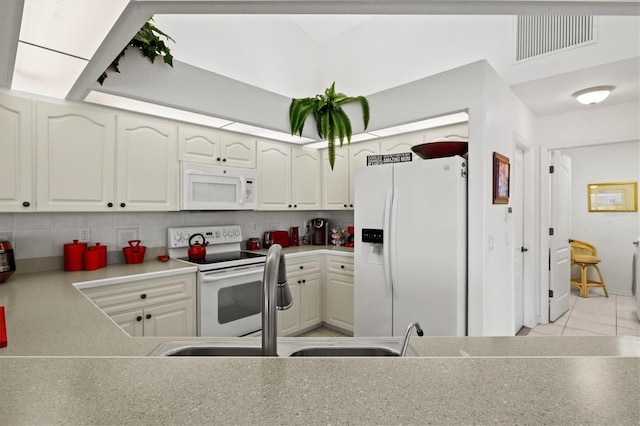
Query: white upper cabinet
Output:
(306,182)
(288,177)
(274,176)
(75,160)
(238,150)
(17,153)
(400,143)
(147,166)
(199,144)
(335,183)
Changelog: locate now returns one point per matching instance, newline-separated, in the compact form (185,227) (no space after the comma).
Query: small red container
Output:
(91,259)
(74,256)
(102,254)
(134,253)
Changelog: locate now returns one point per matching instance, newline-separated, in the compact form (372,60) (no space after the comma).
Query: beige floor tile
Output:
(551,329)
(601,305)
(627,311)
(633,324)
(568,331)
(589,325)
(534,333)
(563,318)
(590,316)
(622,331)
(626,300)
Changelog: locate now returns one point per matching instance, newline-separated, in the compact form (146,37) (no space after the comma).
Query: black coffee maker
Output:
(319,232)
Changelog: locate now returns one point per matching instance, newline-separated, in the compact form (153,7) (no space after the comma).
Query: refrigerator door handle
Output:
(386,240)
(392,245)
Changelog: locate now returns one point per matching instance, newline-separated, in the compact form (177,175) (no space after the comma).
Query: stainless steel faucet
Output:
(275,295)
(405,344)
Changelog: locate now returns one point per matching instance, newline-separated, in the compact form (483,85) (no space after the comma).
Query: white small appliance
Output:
(411,248)
(228,283)
(211,187)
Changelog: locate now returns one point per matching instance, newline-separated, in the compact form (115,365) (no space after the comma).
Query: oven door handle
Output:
(216,278)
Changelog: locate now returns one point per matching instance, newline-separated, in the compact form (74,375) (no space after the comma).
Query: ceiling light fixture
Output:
(593,95)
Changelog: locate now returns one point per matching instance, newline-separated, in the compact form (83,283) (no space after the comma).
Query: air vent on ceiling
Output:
(542,34)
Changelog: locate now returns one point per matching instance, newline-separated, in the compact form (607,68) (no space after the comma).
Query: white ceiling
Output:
(270,46)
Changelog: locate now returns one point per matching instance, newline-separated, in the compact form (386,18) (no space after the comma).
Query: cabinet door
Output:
(76,154)
(199,144)
(131,322)
(17,171)
(288,321)
(339,301)
(358,158)
(311,301)
(400,143)
(335,183)
(306,181)
(170,320)
(274,176)
(147,164)
(238,150)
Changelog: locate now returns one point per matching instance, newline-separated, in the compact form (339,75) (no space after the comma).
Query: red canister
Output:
(91,259)
(73,255)
(102,254)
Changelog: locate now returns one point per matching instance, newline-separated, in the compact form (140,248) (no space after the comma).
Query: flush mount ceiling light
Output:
(593,95)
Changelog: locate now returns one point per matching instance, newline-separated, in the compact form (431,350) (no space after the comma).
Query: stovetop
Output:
(225,257)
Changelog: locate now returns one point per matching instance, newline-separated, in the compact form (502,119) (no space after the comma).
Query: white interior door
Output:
(559,222)
(518,244)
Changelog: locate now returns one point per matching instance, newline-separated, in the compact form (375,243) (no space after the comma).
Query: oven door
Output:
(230,301)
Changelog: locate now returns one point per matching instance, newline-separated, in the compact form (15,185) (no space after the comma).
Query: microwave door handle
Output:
(243,189)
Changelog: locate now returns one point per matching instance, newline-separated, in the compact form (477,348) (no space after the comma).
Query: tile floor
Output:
(596,315)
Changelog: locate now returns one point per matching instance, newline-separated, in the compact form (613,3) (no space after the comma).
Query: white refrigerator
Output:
(411,248)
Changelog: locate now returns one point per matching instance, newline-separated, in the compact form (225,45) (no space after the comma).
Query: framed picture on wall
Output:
(613,197)
(500,179)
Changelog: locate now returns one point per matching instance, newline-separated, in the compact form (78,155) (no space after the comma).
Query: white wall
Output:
(611,233)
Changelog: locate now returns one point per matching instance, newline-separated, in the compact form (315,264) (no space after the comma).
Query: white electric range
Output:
(229,279)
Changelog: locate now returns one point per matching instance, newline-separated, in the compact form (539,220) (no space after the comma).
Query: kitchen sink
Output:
(287,347)
(345,351)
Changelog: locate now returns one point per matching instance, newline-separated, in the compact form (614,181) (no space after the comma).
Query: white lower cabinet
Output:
(339,292)
(150,307)
(304,278)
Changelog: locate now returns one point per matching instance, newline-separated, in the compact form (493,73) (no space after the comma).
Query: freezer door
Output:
(428,246)
(372,291)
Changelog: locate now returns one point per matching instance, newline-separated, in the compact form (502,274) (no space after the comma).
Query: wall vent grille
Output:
(542,34)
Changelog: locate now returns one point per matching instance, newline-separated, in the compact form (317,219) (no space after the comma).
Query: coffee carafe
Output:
(294,236)
(319,232)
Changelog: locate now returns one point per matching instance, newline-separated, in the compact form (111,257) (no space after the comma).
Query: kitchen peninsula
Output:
(67,362)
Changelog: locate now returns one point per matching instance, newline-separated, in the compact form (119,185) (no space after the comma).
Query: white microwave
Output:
(210,187)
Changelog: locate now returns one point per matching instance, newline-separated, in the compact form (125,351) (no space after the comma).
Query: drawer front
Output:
(120,297)
(340,265)
(303,265)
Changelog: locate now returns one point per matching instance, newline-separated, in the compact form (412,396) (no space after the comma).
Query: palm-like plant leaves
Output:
(331,120)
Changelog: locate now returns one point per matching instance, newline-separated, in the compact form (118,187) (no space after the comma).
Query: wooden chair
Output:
(585,256)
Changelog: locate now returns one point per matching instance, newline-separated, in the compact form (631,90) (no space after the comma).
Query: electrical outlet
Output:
(254,227)
(274,226)
(84,235)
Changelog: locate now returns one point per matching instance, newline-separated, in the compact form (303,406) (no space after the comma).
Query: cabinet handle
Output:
(295,206)
(109,204)
(341,266)
(26,204)
(299,282)
(148,316)
(138,318)
(345,206)
(304,281)
(218,159)
(143,296)
(224,160)
(289,205)
(351,205)
(301,266)
(122,204)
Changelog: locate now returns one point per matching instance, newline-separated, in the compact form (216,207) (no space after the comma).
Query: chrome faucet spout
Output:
(405,344)
(275,295)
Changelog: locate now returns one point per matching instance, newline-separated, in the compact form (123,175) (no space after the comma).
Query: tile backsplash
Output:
(38,235)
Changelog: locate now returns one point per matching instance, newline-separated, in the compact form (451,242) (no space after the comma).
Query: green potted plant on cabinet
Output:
(331,120)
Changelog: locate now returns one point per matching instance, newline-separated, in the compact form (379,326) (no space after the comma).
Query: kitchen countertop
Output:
(67,362)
